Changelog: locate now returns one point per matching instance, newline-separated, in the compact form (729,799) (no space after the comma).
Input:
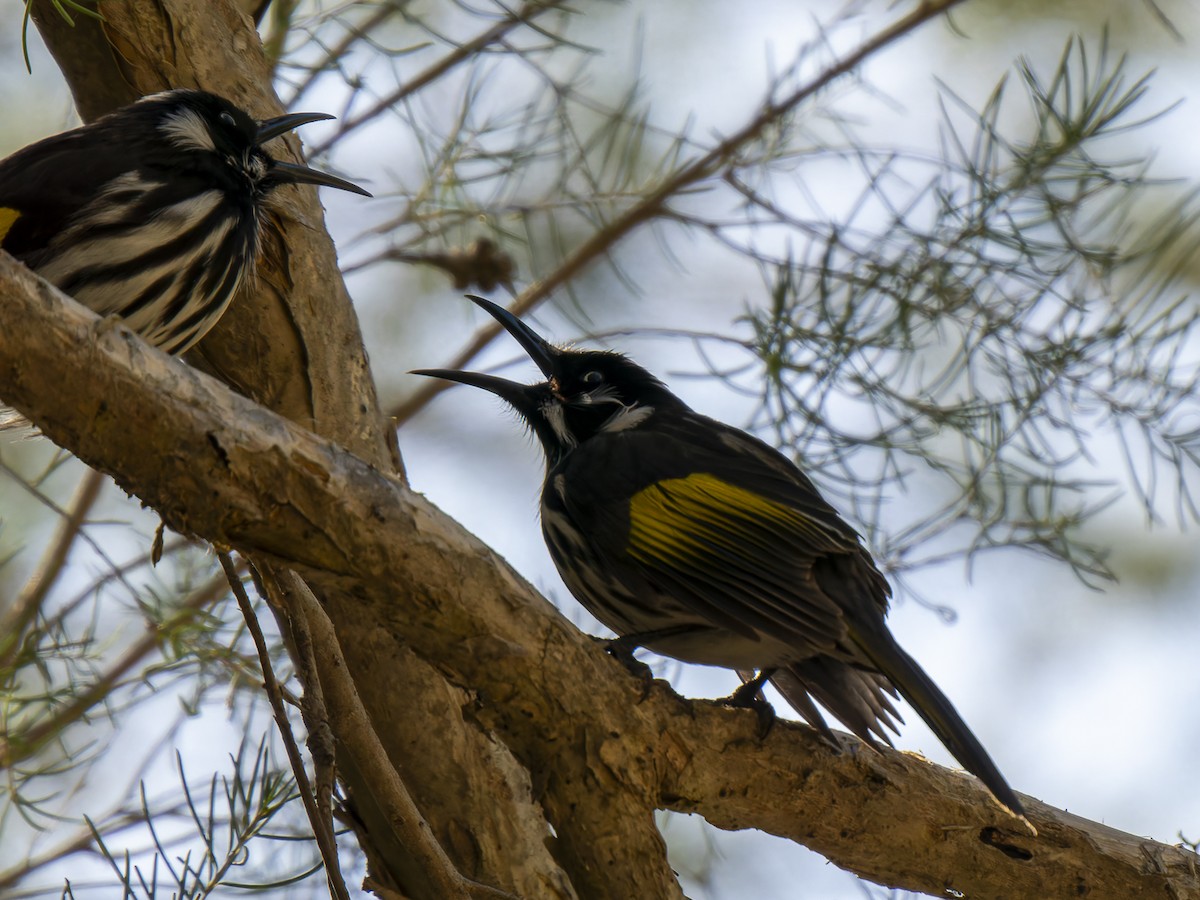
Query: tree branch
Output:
(322,826)
(292,341)
(25,608)
(653,202)
(392,563)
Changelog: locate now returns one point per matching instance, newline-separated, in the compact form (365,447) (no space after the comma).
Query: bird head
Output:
(586,393)
(221,141)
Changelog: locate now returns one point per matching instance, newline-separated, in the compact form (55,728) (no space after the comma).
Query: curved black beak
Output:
(290,173)
(512,392)
(273,128)
(541,351)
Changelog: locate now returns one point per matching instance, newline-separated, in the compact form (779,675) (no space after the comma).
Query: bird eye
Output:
(227,119)
(592,377)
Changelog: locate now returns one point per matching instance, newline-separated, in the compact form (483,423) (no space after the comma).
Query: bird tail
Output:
(861,700)
(902,671)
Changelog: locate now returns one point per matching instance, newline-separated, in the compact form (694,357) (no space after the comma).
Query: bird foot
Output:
(622,651)
(749,696)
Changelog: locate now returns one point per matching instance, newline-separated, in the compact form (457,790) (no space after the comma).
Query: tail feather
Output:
(859,699)
(862,701)
(939,714)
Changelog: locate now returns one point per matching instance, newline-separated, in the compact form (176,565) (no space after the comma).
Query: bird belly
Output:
(170,277)
(709,646)
(644,611)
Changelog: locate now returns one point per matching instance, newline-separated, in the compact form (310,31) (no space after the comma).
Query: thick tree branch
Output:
(218,465)
(292,341)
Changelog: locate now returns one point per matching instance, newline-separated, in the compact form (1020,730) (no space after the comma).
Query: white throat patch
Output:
(558,423)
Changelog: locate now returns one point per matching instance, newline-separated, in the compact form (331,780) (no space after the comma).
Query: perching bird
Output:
(153,212)
(700,542)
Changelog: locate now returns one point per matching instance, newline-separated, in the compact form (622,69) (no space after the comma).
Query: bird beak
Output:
(541,351)
(512,392)
(290,173)
(273,128)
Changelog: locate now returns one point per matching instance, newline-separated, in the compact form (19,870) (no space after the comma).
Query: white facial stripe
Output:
(554,415)
(627,417)
(187,131)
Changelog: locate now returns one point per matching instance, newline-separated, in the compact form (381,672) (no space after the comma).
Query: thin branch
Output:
(523,16)
(347,716)
(654,203)
(322,827)
(26,607)
(17,747)
(352,36)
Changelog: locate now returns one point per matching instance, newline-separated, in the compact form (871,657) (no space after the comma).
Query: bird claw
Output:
(622,651)
(749,696)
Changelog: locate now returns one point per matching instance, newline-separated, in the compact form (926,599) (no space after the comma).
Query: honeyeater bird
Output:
(698,541)
(153,212)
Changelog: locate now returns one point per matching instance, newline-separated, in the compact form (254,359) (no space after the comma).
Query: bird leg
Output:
(621,649)
(750,696)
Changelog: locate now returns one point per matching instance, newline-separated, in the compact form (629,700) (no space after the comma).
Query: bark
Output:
(292,341)
(602,752)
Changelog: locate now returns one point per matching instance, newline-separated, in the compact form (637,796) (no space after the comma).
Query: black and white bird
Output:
(153,213)
(698,541)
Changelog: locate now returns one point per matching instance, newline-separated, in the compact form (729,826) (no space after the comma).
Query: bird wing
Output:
(42,185)
(718,521)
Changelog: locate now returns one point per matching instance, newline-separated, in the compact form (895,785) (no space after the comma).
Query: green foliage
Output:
(978,317)
(236,809)
(64,8)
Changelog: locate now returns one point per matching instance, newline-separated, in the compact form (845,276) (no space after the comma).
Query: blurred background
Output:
(956,285)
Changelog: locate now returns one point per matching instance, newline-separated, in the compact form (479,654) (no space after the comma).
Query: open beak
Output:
(540,351)
(512,392)
(273,128)
(290,173)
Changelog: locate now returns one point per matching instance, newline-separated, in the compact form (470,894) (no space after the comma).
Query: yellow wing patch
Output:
(8,217)
(685,518)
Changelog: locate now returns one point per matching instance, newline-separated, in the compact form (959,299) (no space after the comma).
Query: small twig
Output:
(22,746)
(82,840)
(527,13)
(654,204)
(25,608)
(355,34)
(312,707)
(321,827)
(61,614)
(348,718)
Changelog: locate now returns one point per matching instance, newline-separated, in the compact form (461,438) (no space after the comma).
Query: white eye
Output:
(227,119)
(592,377)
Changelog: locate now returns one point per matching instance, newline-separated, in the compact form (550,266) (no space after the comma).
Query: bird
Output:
(698,541)
(154,212)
